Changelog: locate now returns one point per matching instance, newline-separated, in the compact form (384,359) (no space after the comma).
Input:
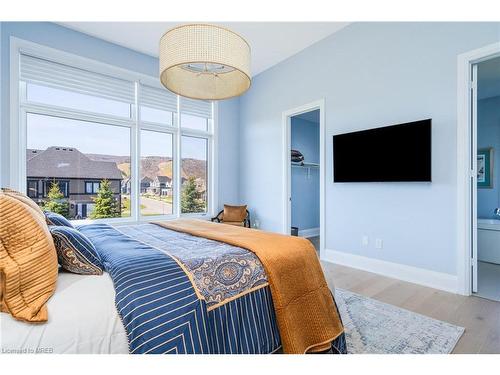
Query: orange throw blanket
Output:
(305,311)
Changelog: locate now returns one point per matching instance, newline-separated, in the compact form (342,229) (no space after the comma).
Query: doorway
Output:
(486,280)
(478,172)
(303,172)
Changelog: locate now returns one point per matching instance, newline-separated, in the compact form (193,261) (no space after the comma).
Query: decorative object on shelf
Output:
(485,168)
(297,156)
(202,61)
(233,215)
(297,160)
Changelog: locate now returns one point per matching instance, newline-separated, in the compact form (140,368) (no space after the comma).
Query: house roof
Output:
(162,179)
(68,162)
(145,180)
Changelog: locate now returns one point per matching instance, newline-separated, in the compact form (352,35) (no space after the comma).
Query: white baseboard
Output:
(432,279)
(311,232)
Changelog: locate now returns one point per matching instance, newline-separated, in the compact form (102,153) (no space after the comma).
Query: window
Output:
(156,183)
(157,106)
(62,186)
(89,130)
(68,152)
(195,114)
(64,98)
(194,122)
(194,183)
(32,188)
(157,115)
(92,187)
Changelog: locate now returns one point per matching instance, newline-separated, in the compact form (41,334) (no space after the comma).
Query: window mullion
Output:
(213,183)
(177,162)
(48,110)
(158,127)
(135,154)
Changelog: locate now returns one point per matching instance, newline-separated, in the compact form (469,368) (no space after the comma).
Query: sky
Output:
(94,138)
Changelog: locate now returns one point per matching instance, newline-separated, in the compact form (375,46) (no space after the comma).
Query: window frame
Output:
(46,182)
(32,180)
(207,196)
(20,107)
(164,129)
(92,184)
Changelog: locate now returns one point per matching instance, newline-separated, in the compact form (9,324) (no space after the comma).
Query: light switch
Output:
(364,240)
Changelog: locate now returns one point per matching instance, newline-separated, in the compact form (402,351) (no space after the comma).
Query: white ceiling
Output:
(271,42)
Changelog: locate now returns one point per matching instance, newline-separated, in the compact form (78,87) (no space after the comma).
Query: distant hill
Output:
(151,166)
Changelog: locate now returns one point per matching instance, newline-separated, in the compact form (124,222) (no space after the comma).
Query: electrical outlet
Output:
(379,244)
(364,240)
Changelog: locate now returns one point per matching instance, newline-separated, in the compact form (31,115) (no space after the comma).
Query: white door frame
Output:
(287,169)
(466,162)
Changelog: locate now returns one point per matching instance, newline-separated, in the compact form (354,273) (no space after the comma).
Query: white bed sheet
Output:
(82,319)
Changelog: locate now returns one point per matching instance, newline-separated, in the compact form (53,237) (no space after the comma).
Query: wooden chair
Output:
(244,223)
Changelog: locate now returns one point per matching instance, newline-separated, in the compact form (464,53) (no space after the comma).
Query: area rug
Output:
(376,327)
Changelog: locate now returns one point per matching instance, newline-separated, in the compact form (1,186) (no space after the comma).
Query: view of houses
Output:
(79,177)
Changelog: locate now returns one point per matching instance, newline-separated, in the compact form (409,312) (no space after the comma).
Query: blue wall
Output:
(370,74)
(488,135)
(229,152)
(59,37)
(304,186)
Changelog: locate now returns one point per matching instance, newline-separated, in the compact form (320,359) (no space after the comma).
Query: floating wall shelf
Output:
(308,166)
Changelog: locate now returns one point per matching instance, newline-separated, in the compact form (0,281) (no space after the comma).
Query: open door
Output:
(473,167)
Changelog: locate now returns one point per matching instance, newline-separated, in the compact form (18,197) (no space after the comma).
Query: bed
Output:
(164,291)
(83,319)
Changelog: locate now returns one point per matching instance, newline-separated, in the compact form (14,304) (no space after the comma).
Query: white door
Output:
(473,88)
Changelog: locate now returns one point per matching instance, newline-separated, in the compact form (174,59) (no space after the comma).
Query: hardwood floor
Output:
(480,317)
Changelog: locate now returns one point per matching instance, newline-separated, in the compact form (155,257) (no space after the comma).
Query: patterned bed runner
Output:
(220,272)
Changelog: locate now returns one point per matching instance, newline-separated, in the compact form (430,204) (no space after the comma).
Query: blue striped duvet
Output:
(161,310)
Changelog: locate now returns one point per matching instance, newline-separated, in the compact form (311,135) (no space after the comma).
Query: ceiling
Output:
(488,78)
(271,42)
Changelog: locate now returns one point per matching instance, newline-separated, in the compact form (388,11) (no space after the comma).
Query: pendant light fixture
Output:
(202,61)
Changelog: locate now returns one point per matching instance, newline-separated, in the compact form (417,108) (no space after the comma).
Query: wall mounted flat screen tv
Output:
(397,153)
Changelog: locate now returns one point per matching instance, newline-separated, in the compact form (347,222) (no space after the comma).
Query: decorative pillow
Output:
(28,261)
(75,252)
(234,213)
(23,198)
(56,219)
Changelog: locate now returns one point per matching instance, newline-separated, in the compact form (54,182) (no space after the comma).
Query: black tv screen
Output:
(397,153)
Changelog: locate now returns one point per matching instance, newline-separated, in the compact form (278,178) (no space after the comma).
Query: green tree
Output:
(191,198)
(55,201)
(105,203)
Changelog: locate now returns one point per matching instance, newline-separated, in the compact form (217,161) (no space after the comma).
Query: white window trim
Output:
(18,129)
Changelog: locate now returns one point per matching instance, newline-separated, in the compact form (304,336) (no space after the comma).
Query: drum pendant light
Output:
(202,61)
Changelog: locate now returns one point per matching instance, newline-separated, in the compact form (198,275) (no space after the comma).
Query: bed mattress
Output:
(82,319)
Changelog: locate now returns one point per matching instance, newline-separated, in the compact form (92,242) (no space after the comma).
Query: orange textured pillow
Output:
(23,198)
(234,213)
(28,261)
